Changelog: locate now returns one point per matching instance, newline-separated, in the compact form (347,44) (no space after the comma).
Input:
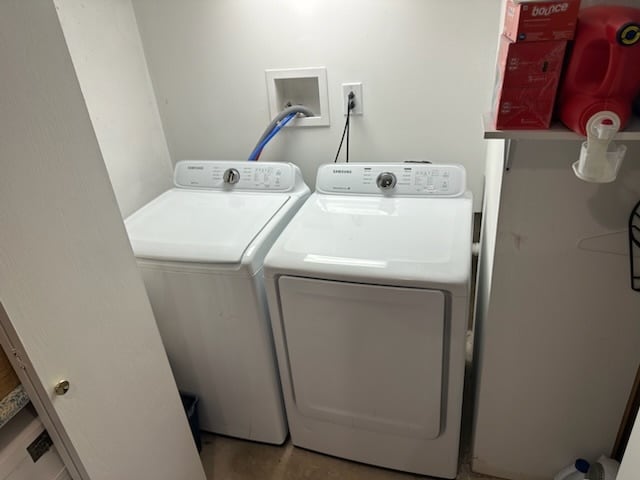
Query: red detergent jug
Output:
(603,73)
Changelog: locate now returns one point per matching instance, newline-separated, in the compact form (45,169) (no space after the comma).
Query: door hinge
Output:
(19,361)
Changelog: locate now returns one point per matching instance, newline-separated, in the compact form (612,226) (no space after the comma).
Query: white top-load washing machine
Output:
(368,289)
(200,247)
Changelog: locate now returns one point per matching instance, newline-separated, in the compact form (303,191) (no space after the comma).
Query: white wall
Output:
(107,54)
(426,65)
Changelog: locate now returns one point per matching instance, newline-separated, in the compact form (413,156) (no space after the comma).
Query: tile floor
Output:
(227,458)
(230,459)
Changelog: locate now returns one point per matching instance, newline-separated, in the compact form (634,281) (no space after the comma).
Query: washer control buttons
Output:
(231,176)
(386,181)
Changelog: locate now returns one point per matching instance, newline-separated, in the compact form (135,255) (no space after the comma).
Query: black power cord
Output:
(351,104)
(634,246)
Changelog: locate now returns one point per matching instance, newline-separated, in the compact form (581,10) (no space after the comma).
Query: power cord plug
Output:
(351,104)
(352,101)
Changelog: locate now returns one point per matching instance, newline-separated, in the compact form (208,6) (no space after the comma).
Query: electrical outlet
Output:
(356,88)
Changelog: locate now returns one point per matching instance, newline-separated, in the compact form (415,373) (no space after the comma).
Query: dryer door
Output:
(366,356)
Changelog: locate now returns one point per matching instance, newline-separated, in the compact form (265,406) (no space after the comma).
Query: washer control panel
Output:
(392,179)
(229,175)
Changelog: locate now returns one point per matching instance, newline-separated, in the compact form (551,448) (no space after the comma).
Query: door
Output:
(74,306)
(366,356)
(630,466)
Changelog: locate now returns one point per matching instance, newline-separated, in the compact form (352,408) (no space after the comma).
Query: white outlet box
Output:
(299,86)
(356,88)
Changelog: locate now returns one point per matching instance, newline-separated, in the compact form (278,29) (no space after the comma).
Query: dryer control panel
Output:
(230,175)
(392,179)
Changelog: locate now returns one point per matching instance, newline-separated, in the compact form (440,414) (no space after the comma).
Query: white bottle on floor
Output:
(576,471)
(604,469)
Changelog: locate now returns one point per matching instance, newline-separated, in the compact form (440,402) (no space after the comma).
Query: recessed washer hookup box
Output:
(536,21)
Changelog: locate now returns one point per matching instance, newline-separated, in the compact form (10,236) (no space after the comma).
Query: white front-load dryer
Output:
(200,248)
(368,289)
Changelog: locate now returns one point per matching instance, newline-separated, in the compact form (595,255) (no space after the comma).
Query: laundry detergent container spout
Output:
(603,72)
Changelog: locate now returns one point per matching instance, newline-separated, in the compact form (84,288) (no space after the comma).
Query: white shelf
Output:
(556,132)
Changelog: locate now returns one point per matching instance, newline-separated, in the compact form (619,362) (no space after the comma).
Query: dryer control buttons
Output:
(231,176)
(386,181)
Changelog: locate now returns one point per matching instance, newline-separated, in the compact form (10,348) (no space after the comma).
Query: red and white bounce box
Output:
(526,84)
(535,21)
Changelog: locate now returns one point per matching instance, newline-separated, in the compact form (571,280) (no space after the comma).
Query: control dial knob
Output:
(231,176)
(386,181)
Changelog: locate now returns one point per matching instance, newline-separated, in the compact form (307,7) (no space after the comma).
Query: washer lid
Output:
(201,226)
(415,240)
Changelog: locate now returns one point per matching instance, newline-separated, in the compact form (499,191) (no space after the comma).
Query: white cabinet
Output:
(26,452)
(557,323)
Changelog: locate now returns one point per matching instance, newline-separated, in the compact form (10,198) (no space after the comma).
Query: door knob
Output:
(62,387)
